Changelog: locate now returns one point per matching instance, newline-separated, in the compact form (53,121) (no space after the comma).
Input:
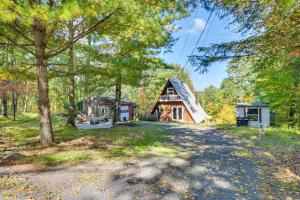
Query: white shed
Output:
(256,114)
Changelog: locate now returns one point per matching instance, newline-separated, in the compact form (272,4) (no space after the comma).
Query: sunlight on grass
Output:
(278,140)
(21,118)
(61,157)
(166,150)
(119,142)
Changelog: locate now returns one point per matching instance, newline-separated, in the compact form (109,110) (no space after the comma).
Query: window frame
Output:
(177,113)
(160,109)
(255,115)
(170,91)
(105,108)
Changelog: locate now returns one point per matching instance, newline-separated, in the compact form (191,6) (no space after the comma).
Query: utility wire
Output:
(208,30)
(188,35)
(201,34)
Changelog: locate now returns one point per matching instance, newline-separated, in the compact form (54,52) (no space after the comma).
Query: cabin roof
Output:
(190,101)
(110,99)
(253,104)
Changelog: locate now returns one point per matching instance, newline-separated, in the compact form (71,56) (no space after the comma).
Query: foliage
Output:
(237,87)
(270,50)
(280,86)
(44,30)
(227,114)
(211,100)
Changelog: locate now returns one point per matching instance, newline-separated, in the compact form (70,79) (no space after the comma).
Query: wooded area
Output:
(76,49)
(88,42)
(67,67)
(264,65)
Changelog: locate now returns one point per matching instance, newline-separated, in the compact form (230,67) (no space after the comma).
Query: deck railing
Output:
(169,98)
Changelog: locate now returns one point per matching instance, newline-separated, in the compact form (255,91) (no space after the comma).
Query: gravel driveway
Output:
(205,165)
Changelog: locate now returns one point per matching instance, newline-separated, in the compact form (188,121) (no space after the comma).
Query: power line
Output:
(188,35)
(201,34)
(208,30)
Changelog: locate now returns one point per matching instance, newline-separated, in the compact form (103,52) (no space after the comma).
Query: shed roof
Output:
(253,104)
(110,99)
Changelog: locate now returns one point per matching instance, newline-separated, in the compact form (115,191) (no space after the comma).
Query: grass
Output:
(275,140)
(60,157)
(73,145)
(274,147)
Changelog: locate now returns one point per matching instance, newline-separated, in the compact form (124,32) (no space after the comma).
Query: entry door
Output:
(177,113)
(124,113)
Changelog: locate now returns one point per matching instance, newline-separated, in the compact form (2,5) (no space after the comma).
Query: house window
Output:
(179,110)
(161,109)
(252,114)
(170,91)
(174,113)
(104,110)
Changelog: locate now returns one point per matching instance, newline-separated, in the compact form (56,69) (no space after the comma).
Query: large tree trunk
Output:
(46,132)
(4,105)
(117,99)
(71,79)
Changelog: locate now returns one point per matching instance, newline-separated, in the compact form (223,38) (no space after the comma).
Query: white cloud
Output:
(171,28)
(199,25)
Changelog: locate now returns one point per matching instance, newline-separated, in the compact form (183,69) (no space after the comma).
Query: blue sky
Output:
(215,32)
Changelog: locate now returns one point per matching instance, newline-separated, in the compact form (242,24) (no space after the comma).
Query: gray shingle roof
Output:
(110,99)
(190,101)
(253,104)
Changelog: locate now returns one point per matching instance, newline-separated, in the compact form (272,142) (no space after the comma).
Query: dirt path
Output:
(203,164)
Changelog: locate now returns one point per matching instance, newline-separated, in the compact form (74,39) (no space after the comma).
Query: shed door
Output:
(124,113)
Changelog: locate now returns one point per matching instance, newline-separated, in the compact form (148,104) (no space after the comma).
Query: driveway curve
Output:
(194,163)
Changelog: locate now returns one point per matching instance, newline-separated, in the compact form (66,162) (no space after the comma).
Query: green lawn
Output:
(72,145)
(272,150)
(275,140)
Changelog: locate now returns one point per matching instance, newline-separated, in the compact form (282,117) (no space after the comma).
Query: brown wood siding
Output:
(166,115)
(164,92)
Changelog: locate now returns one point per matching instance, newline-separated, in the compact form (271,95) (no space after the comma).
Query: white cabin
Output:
(257,114)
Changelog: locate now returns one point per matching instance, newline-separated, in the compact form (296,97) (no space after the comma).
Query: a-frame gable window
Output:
(170,91)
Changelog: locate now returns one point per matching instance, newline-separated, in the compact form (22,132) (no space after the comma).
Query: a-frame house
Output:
(178,103)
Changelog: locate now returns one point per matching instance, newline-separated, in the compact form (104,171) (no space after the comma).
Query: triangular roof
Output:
(189,100)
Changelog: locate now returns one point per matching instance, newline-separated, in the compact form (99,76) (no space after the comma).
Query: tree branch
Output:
(14,42)
(79,36)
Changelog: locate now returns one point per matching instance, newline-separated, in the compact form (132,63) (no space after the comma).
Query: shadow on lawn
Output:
(73,145)
(211,171)
(191,164)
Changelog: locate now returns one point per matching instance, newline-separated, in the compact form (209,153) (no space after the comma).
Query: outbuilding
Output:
(98,106)
(254,114)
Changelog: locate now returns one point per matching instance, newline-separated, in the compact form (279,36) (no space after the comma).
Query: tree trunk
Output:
(4,106)
(46,132)
(71,79)
(117,99)
(14,103)
(293,107)
(26,98)
(30,104)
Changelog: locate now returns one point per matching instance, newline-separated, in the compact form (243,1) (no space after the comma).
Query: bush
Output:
(226,115)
